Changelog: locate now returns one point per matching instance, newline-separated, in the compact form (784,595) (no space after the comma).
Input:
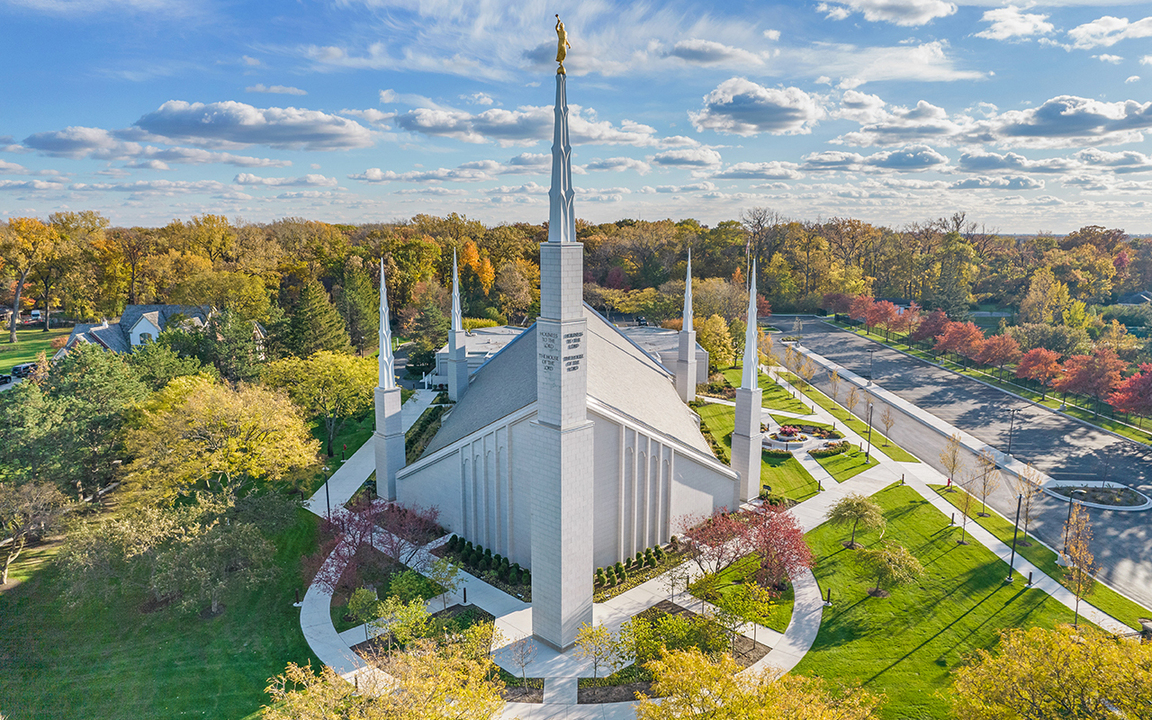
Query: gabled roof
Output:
(620,375)
(117,336)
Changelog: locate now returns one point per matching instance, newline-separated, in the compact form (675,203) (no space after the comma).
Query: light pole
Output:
(327,498)
(869,452)
(1011,424)
(871,354)
(1015,529)
(1071,502)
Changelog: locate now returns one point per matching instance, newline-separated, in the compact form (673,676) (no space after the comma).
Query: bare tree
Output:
(1027,484)
(523,653)
(989,476)
(834,382)
(808,370)
(853,399)
(951,459)
(965,506)
(887,419)
(1080,573)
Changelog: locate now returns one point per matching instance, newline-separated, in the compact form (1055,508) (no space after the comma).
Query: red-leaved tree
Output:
(1095,375)
(861,305)
(907,321)
(930,326)
(1134,395)
(779,540)
(882,314)
(717,541)
(1041,365)
(999,350)
(962,338)
(406,531)
(836,302)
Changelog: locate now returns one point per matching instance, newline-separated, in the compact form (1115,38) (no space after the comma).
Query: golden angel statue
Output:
(562,45)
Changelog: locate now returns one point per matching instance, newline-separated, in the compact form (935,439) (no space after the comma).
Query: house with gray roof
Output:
(137,325)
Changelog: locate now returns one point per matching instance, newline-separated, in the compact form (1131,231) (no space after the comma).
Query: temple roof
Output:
(620,375)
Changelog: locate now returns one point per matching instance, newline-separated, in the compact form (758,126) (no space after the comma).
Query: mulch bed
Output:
(534,693)
(379,644)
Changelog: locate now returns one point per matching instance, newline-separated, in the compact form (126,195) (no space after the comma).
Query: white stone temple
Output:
(572,447)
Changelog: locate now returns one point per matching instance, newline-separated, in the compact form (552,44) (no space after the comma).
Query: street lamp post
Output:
(1015,530)
(1071,502)
(1011,424)
(871,354)
(327,497)
(869,452)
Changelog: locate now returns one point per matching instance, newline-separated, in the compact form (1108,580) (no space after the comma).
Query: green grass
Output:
(785,476)
(800,421)
(847,464)
(773,396)
(985,375)
(104,661)
(1102,596)
(29,343)
(905,645)
(860,427)
(742,571)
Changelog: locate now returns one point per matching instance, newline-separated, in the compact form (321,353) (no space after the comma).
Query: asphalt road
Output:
(1057,445)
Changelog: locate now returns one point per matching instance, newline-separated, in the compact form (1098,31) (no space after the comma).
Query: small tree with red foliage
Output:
(1134,395)
(406,531)
(999,350)
(859,308)
(907,321)
(930,326)
(717,541)
(779,540)
(836,302)
(763,307)
(882,314)
(962,338)
(1095,375)
(1041,365)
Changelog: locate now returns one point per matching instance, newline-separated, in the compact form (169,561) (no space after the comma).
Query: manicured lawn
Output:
(858,426)
(774,396)
(847,464)
(104,661)
(785,476)
(744,570)
(1049,400)
(30,342)
(906,645)
(1102,596)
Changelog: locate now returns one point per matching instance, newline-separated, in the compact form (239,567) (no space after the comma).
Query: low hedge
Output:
(830,450)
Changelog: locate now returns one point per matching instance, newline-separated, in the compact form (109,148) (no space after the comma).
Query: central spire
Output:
(561,216)
(457,343)
(687,326)
(457,314)
(387,359)
(750,379)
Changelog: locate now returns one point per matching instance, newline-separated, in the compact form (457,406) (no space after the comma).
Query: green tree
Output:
(598,644)
(360,306)
(157,364)
(212,563)
(1037,674)
(892,565)
(316,325)
(858,511)
(446,574)
(954,287)
(240,293)
(25,244)
(364,607)
(713,336)
(197,434)
(26,511)
(333,386)
(229,343)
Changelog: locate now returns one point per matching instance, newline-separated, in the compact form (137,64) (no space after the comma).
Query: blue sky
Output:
(1028,116)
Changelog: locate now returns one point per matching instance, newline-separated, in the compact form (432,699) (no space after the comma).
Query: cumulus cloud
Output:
(925,62)
(1011,22)
(1146,60)
(234,123)
(82,142)
(700,157)
(1108,30)
(773,170)
(435,191)
(704,186)
(891,125)
(1132,79)
(10,168)
(772,35)
(1012,182)
(708,52)
(618,164)
(275,89)
(741,107)
(30,185)
(524,126)
(1114,59)
(155,187)
(309,180)
(898,12)
(476,98)
(461,174)
(913,158)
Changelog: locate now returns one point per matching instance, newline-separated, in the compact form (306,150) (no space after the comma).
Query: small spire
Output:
(687,326)
(457,315)
(751,377)
(387,360)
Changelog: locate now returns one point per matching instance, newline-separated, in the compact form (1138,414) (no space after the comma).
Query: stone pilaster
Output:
(388,441)
(747,441)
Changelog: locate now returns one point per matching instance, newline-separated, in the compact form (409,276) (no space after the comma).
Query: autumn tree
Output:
(197,434)
(1079,564)
(1037,674)
(860,307)
(988,478)
(998,351)
(962,338)
(891,565)
(778,541)
(1046,298)
(333,386)
(1134,395)
(599,645)
(715,542)
(834,384)
(853,398)
(220,559)
(951,458)
(857,511)
(26,511)
(1028,488)
(882,314)
(24,245)
(714,338)
(930,327)
(887,419)
(1040,365)
(1094,375)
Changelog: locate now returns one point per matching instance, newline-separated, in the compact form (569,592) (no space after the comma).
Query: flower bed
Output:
(1118,496)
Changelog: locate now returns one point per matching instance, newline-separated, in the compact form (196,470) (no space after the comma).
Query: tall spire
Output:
(387,359)
(688,295)
(751,377)
(457,315)
(561,216)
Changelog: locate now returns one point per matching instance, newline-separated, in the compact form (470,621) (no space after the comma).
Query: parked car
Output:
(642,321)
(24,370)
(5,379)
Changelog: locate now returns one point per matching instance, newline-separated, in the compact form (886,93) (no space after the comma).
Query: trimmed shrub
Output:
(775,453)
(830,450)
(658,553)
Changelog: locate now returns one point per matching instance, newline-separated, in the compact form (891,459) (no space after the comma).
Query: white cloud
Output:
(9,168)
(372,115)
(704,186)
(82,142)
(1114,59)
(30,185)
(772,35)
(524,126)
(309,180)
(1012,182)
(618,164)
(708,52)
(1132,79)
(155,187)
(250,61)
(913,158)
(926,62)
(898,12)
(741,107)
(700,157)
(883,125)
(1146,60)
(1011,22)
(1108,30)
(772,170)
(233,123)
(476,98)
(436,191)
(376,175)
(275,89)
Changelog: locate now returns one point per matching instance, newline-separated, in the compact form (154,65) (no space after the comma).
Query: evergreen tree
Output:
(431,330)
(360,306)
(316,324)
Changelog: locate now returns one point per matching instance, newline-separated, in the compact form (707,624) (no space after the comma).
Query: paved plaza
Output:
(1057,445)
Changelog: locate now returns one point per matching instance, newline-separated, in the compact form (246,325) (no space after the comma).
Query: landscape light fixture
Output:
(869,452)
(1015,530)
(1011,425)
